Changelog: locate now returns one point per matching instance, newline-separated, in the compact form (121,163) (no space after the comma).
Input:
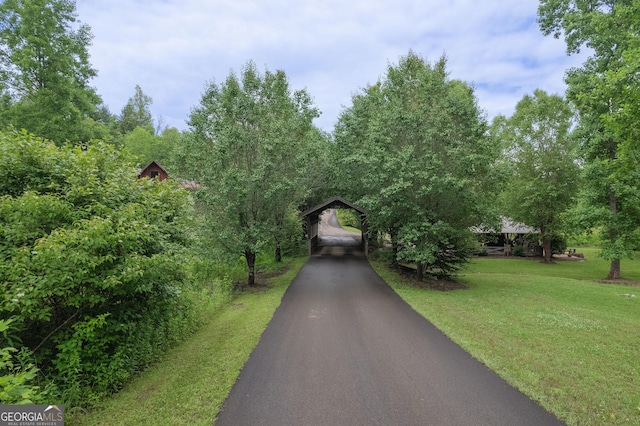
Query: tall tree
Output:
(137,113)
(44,66)
(611,193)
(542,182)
(416,156)
(247,148)
(147,147)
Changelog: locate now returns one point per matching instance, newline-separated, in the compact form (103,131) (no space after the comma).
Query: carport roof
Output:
(332,203)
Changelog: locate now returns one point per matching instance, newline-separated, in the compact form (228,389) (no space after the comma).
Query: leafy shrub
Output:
(518,250)
(347,217)
(92,262)
(558,244)
(441,257)
(17,377)
(585,239)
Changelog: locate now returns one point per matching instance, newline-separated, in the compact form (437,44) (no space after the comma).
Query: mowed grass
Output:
(554,332)
(190,384)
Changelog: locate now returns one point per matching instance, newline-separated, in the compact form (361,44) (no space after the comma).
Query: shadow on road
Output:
(334,240)
(338,246)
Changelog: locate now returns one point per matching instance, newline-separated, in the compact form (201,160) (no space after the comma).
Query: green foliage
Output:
(558,244)
(45,70)
(148,147)
(16,375)
(604,91)
(136,113)
(589,238)
(249,151)
(443,247)
(91,262)
(348,218)
(200,372)
(543,174)
(413,151)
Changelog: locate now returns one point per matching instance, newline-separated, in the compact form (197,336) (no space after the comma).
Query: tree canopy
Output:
(604,90)
(543,174)
(413,151)
(45,70)
(136,113)
(248,148)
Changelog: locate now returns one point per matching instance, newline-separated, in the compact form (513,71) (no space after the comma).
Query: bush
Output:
(518,250)
(347,217)
(92,262)
(585,239)
(16,373)
(558,244)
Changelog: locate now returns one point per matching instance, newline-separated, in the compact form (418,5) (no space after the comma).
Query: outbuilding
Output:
(153,170)
(511,234)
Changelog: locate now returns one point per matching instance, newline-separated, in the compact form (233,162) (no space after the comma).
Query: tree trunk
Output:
(251,265)
(279,225)
(420,271)
(394,247)
(278,252)
(546,248)
(614,270)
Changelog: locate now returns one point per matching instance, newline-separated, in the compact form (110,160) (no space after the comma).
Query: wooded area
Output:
(102,271)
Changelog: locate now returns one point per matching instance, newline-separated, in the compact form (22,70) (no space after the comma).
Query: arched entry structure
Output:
(312,218)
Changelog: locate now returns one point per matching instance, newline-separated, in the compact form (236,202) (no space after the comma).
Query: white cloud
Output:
(172,48)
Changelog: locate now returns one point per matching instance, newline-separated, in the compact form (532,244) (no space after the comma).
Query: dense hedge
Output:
(90,264)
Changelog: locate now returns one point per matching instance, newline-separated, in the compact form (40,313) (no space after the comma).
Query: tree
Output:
(137,113)
(543,178)
(413,151)
(247,149)
(44,67)
(90,261)
(147,147)
(602,90)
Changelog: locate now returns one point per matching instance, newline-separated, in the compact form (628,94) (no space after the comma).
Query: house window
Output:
(154,174)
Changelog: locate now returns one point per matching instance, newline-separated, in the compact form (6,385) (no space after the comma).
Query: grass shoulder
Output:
(349,220)
(190,384)
(553,331)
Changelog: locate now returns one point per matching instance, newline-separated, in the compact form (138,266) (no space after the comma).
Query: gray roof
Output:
(509,226)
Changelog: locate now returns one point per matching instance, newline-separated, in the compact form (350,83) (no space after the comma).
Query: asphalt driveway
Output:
(344,349)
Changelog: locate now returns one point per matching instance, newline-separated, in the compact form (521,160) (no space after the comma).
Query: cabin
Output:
(153,170)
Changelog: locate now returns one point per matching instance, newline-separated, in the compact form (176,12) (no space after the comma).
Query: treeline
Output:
(103,271)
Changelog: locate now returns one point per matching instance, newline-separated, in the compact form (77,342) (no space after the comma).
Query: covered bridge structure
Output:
(312,219)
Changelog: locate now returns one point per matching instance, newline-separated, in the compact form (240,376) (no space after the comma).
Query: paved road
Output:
(344,349)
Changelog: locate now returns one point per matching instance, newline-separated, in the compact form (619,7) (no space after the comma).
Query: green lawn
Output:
(569,342)
(552,331)
(189,385)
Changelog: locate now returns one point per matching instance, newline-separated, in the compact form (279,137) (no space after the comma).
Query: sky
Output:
(173,49)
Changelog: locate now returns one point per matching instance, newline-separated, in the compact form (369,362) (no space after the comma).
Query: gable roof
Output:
(145,168)
(332,203)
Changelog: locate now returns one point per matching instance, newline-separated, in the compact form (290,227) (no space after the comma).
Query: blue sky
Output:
(173,48)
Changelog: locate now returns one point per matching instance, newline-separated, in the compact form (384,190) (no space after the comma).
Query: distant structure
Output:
(511,234)
(153,170)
